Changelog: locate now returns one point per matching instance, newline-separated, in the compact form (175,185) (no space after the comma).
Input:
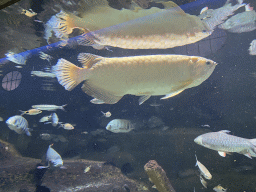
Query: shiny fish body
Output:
(45,118)
(219,188)
(18,124)
(53,157)
(109,79)
(55,119)
(252,49)
(241,22)
(203,170)
(48,107)
(119,126)
(166,29)
(43,74)
(224,143)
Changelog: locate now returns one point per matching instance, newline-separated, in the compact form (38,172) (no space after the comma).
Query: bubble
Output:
(11,80)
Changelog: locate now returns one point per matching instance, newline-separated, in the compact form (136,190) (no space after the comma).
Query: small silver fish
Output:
(219,188)
(204,183)
(107,114)
(52,157)
(67,126)
(45,119)
(18,124)
(54,119)
(43,74)
(224,143)
(17,58)
(46,107)
(252,49)
(241,22)
(29,13)
(119,126)
(31,112)
(203,170)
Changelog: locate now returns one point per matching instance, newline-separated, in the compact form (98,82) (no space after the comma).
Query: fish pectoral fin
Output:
(100,94)
(143,98)
(222,154)
(172,94)
(88,59)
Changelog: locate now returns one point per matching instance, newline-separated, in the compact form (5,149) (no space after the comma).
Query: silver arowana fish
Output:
(162,30)
(109,79)
(224,143)
(18,124)
(241,22)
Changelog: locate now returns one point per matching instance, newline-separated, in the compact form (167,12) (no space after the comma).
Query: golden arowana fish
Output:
(95,15)
(162,30)
(109,79)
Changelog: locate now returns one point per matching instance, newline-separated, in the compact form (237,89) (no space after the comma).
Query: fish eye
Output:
(204,31)
(208,63)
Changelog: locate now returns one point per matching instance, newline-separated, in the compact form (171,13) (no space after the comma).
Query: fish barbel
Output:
(225,143)
(162,30)
(109,79)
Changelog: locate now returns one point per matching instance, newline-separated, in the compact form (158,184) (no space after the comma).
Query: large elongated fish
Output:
(95,15)
(166,29)
(109,79)
(225,143)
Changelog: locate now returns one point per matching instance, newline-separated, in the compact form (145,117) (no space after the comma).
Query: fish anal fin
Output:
(248,155)
(100,94)
(68,74)
(143,98)
(222,154)
(88,39)
(172,94)
(88,60)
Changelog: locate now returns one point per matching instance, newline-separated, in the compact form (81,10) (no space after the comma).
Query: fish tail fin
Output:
(62,24)
(22,112)
(28,132)
(196,160)
(69,75)
(62,107)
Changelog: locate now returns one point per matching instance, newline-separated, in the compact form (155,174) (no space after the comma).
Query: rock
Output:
(20,174)
(155,122)
(158,176)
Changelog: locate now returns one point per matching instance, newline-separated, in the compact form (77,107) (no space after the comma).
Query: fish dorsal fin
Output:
(89,5)
(88,60)
(169,4)
(224,131)
(100,95)
(174,8)
(143,98)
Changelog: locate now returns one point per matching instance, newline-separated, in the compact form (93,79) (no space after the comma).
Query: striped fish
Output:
(109,79)
(18,124)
